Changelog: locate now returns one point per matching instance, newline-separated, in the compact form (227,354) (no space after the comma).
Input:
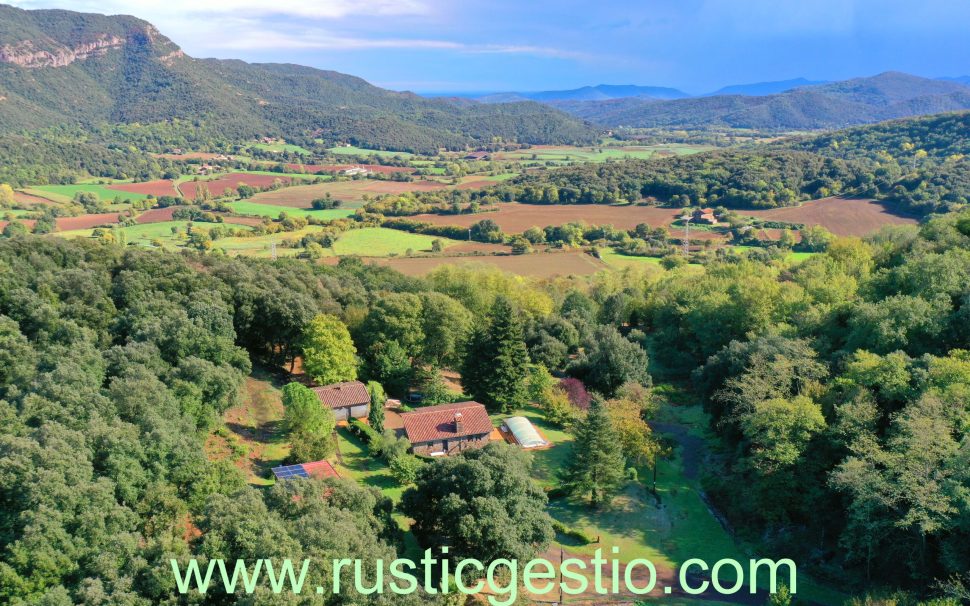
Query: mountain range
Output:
(760,89)
(831,105)
(601,92)
(67,69)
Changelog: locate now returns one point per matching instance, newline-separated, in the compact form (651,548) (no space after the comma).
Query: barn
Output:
(348,400)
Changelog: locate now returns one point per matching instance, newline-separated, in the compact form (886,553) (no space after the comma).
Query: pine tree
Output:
(596,468)
(496,361)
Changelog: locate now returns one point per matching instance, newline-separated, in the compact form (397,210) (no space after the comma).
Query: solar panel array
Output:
(286,472)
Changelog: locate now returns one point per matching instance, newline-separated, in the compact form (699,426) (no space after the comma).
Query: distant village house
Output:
(348,400)
(704,215)
(356,170)
(447,429)
(478,156)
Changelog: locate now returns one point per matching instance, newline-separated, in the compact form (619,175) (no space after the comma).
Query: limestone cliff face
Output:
(26,54)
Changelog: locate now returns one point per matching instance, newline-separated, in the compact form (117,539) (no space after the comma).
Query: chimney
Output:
(459,422)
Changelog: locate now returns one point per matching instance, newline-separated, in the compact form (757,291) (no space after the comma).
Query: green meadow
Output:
(360,151)
(66,193)
(245,207)
(382,242)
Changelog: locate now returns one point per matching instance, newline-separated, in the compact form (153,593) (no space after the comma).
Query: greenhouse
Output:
(525,432)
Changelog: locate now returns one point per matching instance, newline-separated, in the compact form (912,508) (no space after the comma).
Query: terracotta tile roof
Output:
(341,395)
(320,469)
(434,423)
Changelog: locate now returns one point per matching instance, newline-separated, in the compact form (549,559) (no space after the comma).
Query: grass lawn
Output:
(246,207)
(382,242)
(65,193)
(251,433)
(356,463)
(668,533)
(359,151)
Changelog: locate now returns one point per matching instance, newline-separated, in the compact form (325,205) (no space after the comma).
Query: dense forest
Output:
(921,165)
(838,387)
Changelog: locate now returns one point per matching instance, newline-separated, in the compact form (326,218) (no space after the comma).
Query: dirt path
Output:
(667,579)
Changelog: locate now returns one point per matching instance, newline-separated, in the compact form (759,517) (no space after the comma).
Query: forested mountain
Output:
(940,136)
(838,104)
(61,67)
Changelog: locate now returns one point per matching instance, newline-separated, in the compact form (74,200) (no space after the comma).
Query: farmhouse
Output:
(346,400)
(356,170)
(477,155)
(447,429)
(705,215)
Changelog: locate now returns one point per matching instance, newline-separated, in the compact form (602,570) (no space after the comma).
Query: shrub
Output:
(363,431)
(572,533)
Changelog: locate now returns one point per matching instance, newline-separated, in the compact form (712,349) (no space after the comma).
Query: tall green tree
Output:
(596,467)
(481,504)
(496,364)
(329,355)
(309,424)
(609,361)
(390,365)
(375,417)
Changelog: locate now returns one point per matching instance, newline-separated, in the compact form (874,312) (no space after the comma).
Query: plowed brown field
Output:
(841,216)
(516,218)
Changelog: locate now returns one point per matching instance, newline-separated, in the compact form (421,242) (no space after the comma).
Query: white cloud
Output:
(310,9)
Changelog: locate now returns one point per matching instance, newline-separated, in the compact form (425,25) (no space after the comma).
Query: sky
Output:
(520,45)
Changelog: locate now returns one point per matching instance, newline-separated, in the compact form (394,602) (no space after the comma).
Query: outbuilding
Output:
(525,433)
(348,400)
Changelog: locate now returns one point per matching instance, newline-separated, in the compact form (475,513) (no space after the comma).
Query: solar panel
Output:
(287,472)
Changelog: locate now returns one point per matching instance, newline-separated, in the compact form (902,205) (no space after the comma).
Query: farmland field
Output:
(841,216)
(566,153)
(246,207)
(156,215)
(282,147)
(162,187)
(29,199)
(478,181)
(374,168)
(66,193)
(141,235)
(513,217)
(216,186)
(539,265)
(351,193)
(359,151)
(381,242)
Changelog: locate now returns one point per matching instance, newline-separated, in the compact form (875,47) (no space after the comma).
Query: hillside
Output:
(945,136)
(839,104)
(62,67)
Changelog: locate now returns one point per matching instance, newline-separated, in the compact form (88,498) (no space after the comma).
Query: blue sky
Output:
(501,45)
